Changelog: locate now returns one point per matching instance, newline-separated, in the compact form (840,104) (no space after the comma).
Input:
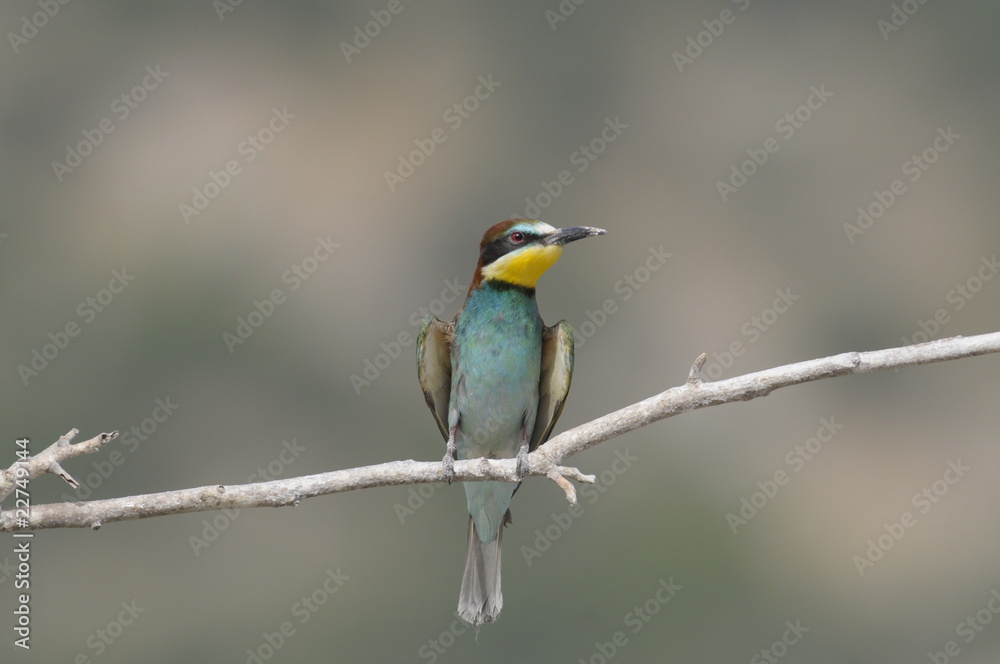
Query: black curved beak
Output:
(572,234)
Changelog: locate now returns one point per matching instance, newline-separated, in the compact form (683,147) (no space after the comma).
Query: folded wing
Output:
(557,371)
(434,367)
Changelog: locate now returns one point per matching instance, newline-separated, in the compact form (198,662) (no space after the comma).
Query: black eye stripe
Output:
(504,245)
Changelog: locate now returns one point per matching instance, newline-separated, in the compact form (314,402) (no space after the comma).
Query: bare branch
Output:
(48,460)
(695,394)
(544,461)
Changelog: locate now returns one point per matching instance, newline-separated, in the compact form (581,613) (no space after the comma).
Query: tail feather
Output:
(480,599)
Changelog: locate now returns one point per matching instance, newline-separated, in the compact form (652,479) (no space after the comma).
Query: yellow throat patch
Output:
(524,266)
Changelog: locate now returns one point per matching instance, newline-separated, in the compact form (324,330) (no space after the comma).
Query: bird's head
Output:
(519,251)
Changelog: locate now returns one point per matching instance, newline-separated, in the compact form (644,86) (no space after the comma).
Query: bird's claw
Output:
(448,468)
(522,464)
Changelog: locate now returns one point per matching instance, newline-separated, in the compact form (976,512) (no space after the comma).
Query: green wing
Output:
(557,371)
(434,367)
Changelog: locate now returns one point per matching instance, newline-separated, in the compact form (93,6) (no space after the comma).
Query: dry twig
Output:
(693,394)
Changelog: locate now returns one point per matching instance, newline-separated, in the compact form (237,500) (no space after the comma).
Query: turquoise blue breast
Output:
(496,358)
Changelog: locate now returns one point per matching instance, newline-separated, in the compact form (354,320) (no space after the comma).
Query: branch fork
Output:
(48,460)
(543,465)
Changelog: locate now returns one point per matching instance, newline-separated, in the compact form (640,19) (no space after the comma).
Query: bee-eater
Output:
(496,379)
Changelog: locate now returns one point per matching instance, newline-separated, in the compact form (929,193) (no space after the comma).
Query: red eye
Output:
(517,237)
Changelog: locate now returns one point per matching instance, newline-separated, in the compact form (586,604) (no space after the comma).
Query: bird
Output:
(496,379)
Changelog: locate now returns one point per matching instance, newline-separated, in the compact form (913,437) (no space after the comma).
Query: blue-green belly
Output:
(496,357)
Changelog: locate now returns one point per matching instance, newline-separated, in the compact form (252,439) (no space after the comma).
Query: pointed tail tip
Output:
(481,599)
(477,616)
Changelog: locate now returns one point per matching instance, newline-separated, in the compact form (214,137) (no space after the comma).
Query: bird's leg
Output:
(448,462)
(522,455)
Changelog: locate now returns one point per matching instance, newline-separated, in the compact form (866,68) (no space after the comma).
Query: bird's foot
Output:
(448,462)
(448,468)
(522,463)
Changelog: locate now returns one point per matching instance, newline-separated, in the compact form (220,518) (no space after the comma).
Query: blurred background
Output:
(222,223)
